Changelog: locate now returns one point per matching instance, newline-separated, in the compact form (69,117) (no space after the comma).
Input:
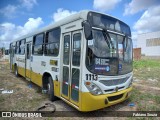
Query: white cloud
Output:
(138,5)
(61,13)
(149,21)
(9,11)
(33,23)
(28,3)
(9,31)
(104,5)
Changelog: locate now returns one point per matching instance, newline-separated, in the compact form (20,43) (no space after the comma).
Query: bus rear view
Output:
(107,75)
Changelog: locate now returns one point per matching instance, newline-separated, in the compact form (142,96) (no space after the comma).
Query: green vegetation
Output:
(157,99)
(146,64)
(29,104)
(2,99)
(147,71)
(145,101)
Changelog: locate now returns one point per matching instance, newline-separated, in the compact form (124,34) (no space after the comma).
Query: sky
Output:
(20,17)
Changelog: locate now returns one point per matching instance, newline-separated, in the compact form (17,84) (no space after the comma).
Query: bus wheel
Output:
(16,71)
(50,88)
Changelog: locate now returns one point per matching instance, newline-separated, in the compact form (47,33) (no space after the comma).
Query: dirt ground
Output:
(27,96)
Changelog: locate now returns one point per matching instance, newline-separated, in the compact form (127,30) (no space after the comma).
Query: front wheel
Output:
(50,87)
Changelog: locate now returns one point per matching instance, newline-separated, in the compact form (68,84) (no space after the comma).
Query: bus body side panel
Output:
(52,67)
(36,70)
(44,64)
(21,64)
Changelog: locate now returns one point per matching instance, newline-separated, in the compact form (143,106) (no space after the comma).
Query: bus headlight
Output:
(93,88)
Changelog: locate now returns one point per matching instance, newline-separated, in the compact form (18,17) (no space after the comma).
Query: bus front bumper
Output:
(91,102)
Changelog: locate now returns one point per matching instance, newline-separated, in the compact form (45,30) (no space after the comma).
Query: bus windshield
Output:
(109,53)
(109,23)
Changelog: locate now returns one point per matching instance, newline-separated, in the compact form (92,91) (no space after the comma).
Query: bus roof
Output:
(71,18)
(80,15)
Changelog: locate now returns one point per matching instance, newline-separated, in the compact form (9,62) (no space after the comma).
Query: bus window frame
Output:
(73,37)
(22,47)
(34,37)
(17,47)
(46,43)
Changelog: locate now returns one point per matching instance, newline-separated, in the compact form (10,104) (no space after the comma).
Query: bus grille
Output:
(113,98)
(113,82)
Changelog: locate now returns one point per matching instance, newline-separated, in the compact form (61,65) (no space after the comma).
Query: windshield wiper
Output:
(109,41)
(125,44)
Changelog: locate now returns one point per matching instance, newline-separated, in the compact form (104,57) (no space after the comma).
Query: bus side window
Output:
(17,47)
(76,49)
(52,42)
(22,47)
(28,51)
(38,44)
(66,49)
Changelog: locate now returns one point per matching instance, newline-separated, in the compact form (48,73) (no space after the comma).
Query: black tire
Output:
(16,71)
(50,88)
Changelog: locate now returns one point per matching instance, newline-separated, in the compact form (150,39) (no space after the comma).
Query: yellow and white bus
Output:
(84,59)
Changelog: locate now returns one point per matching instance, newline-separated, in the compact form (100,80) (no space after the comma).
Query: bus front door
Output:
(28,61)
(71,66)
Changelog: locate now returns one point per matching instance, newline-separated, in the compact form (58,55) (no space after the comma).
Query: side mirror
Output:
(87,30)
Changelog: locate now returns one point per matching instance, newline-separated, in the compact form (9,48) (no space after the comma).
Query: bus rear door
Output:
(28,60)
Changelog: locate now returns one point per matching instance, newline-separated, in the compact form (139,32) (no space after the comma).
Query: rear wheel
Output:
(16,71)
(50,88)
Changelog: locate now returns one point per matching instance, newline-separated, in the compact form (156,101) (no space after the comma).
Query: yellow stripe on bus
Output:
(35,77)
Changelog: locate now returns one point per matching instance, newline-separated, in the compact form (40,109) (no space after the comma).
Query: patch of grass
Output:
(38,90)
(152,107)
(157,99)
(146,63)
(2,99)
(144,106)
(49,118)
(146,96)
(28,105)
(143,100)
(147,69)
(134,95)
(18,89)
